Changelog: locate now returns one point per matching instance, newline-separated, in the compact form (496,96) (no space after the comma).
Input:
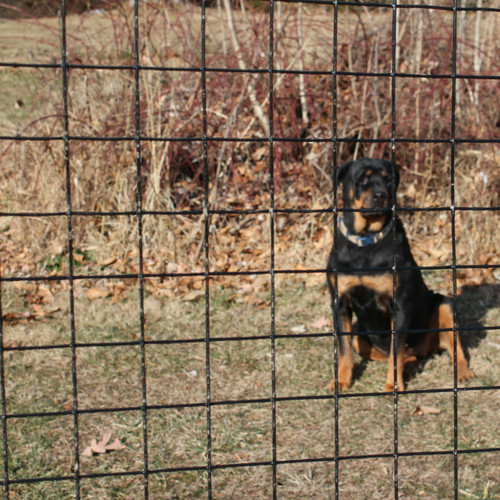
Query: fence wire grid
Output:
(13,481)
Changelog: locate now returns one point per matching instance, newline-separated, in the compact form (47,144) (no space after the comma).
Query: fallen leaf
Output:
(102,446)
(96,293)
(45,294)
(259,153)
(97,447)
(300,267)
(37,308)
(106,436)
(78,257)
(298,329)
(198,284)
(40,313)
(321,323)
(425,410)
(107,262)
(115,445)
(37,313)
(171,268)
(193,295)
(18,316)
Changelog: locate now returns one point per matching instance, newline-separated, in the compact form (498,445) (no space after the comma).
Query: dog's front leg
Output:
(400,363)
(346,360)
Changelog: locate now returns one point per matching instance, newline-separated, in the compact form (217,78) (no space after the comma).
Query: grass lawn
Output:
(39,399)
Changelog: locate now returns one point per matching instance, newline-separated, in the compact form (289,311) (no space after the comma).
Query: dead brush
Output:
(101,105)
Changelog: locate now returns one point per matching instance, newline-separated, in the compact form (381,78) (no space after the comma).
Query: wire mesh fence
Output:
(206,143)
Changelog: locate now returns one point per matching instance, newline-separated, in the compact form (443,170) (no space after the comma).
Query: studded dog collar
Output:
(363,241)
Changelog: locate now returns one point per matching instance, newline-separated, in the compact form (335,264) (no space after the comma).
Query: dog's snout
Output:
(380,196)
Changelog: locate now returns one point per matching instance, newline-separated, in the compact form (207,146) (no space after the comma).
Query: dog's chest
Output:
(369,295)
(382,284)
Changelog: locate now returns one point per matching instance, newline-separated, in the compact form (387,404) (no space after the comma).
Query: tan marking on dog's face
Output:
(374,223)
(364,221)
(361,202)
(359,217)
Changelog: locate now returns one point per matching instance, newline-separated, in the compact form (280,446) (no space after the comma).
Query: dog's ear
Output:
(342,170)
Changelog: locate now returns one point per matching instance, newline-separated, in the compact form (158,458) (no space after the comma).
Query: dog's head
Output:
(368,184)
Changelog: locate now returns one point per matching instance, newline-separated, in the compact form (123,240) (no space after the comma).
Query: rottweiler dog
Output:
(366,284)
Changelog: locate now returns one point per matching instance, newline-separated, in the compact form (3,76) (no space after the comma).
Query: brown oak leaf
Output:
(425,410)
(102,446)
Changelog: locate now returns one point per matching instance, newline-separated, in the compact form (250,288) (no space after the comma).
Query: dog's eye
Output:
(364,180)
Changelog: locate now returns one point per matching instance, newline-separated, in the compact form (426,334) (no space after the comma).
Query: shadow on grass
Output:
(473,305)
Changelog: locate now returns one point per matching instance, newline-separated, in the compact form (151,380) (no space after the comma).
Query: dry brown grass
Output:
(109,377)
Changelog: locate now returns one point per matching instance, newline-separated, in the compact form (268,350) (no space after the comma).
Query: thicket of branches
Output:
(102,104)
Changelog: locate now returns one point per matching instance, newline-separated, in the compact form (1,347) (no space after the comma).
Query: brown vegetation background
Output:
(103,174)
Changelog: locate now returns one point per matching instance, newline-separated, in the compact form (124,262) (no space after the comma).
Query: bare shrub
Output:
(173,120)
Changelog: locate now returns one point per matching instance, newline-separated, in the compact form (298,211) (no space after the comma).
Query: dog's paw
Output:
(388,387)
(463,372)
(343,385)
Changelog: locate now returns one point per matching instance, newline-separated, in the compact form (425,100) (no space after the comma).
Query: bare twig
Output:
(302,82)
(477,55)
(276,85)
(378,123)
(222,27)
(257,108)
(417,66)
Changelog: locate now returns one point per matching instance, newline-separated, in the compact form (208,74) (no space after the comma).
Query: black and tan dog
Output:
(366,242)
